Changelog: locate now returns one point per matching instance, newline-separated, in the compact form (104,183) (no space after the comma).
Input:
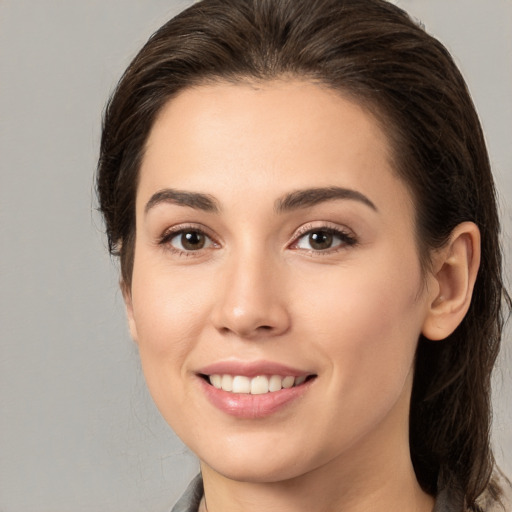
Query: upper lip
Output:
(251,369)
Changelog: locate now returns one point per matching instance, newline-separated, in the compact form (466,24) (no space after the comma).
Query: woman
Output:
(301,199)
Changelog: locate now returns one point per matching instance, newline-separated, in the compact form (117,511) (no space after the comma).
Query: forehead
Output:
(265,137)
(299,108)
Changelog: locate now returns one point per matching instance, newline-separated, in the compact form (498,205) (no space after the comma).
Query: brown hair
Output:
(373,52)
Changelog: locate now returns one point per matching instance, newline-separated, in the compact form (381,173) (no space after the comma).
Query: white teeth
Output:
(300,380)
(257,385)
(227,383)
(275,383)
(216,380)
(288,382)
(241,384)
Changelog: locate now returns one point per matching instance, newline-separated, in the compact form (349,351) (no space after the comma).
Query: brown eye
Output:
(323,239)
(193,240)
(190,240)
(320,240)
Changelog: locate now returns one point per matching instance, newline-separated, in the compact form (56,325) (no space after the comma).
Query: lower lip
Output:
(250,406)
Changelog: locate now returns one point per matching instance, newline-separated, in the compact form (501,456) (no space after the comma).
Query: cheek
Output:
(169,312)
(367,322)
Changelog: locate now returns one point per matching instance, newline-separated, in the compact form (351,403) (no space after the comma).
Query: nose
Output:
(253,302)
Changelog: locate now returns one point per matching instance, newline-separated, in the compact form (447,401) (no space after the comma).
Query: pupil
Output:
(320,240)
(192,240)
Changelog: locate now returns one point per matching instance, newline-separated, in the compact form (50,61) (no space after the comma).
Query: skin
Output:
(350,314)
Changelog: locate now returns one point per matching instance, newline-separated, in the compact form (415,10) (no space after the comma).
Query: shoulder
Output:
(496,498)
(190,499)
(498,495)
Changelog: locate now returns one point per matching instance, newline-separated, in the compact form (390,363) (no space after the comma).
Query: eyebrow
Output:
(313,196)
(298,199)
(194,200)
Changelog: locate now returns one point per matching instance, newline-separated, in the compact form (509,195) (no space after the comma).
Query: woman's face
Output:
(275,246)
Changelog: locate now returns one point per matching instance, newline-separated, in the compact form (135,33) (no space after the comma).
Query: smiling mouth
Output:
(259,385)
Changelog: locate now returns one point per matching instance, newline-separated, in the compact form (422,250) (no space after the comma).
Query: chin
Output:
(262,472)
(261,465)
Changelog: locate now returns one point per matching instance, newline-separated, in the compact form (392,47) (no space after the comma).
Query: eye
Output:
(187,240)
(324,239)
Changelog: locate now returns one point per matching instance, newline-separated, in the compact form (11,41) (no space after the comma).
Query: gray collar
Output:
(189,502)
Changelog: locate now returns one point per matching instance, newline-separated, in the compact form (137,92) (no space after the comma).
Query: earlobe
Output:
(455,270)
(127,296)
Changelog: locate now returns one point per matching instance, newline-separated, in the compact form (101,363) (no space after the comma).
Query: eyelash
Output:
(346,238)
(170,234)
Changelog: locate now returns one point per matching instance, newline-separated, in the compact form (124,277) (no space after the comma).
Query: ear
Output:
(127,296)
(455,268)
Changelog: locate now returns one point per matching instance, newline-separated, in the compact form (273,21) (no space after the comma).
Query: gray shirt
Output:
(445,501)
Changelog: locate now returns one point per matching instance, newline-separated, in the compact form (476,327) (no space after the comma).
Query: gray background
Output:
(77,429)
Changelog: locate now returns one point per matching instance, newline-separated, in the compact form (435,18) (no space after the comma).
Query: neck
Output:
(376,473)
(321,491)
